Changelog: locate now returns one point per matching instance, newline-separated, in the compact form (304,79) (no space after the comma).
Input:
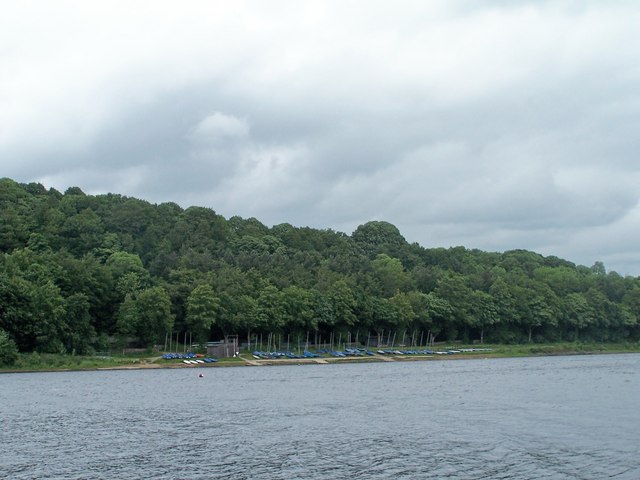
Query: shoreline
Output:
(242,361)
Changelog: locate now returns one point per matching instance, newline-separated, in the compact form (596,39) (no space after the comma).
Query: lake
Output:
(573,417)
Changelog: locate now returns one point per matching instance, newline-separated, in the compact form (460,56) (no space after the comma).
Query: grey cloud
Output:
(489,124)
(218,127)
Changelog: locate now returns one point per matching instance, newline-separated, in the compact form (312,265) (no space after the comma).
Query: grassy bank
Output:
(35,362)
(49,361)
(527,350)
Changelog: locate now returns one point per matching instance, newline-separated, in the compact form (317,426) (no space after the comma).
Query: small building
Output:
(222,348)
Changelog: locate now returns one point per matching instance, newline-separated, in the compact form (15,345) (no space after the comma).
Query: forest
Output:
(79,271)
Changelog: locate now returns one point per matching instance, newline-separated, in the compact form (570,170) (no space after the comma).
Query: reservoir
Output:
(572,417)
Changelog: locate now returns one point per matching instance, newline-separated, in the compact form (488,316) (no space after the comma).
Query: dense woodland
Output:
(78,271)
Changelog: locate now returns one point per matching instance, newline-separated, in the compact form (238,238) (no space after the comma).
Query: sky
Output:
(495,125)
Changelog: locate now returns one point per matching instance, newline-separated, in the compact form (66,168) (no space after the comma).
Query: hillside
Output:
(77,270)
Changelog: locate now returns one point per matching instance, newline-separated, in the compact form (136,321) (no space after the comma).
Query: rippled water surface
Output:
(553,417)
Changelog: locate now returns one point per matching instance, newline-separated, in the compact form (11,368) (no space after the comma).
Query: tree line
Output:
(78,270)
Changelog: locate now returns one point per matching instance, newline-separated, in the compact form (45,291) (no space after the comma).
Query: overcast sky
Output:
(489,124)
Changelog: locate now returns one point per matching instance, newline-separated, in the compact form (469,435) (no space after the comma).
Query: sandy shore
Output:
(254,362)
(246,361)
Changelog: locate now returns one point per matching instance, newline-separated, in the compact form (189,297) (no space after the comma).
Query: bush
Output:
(8,349)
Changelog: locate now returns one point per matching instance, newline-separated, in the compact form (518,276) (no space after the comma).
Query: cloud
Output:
(217,127)
(494,125)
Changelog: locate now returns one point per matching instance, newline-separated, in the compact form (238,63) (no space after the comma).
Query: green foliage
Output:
(146,314)
(343,304)
(376,237)
(390,274)
(298,309)
(270,310)
(8,349)
(75,269)
(80,332)
(202,307)
(404,313)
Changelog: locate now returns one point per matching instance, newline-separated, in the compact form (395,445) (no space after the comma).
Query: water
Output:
(533,418)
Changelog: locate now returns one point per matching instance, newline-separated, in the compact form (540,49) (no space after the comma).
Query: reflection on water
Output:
(554,417)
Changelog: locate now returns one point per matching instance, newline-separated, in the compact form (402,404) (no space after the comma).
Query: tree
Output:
(632,301)
(146,314)
(323,312)
(598,268)
(540,307)
(562,280)
(127,317)
(384,315)
(484,312)
(244,315)
(391,274)
(198,228)
(439,313)
(8,349)
(79,332)
(453,288)
(577,312)
(202,307)
(122,263)
(16,210)
(298,309)
(418,302)
(504,301)
(31,304)
(343,304)
(269,310)
(377,234)
(82,232)
(404,313)
(156,318)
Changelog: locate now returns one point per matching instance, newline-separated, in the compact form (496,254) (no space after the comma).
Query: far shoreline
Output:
(246,360)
